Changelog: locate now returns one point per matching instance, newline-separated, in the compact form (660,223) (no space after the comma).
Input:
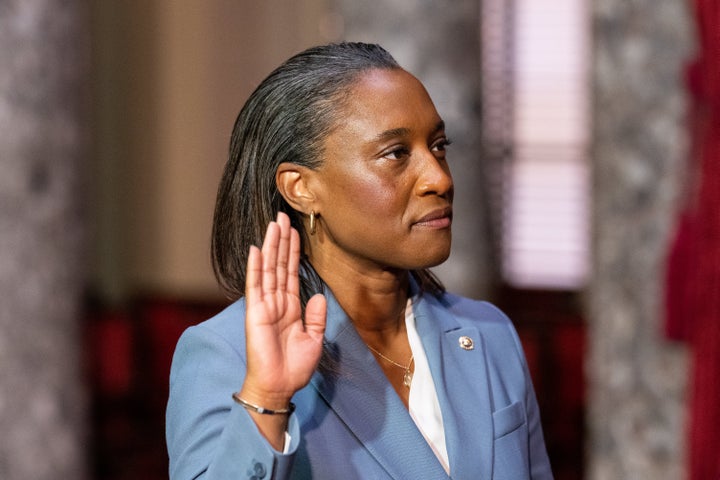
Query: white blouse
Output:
(424,404)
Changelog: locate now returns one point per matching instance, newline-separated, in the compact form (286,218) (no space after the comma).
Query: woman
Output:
(344,358)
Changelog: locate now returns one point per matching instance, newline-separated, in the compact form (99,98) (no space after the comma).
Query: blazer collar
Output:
(367,403)
(462,383)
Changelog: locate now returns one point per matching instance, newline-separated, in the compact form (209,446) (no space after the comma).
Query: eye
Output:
(440,145)
(397,153)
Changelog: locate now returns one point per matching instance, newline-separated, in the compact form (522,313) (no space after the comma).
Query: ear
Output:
(292,183)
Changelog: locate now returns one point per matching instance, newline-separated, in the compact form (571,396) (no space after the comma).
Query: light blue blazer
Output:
(351,424)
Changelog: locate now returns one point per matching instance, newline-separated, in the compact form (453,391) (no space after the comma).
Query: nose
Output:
(434,177)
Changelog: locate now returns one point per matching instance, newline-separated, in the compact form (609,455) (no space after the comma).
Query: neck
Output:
(374,299)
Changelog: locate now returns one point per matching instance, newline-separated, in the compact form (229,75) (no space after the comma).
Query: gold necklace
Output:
(407,377)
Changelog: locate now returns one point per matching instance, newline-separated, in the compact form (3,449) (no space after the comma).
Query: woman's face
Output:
(384,188)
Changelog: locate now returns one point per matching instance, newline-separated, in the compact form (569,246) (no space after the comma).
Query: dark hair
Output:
(286,119)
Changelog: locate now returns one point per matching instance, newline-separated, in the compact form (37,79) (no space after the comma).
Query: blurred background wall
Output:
(169,79)
(115,119)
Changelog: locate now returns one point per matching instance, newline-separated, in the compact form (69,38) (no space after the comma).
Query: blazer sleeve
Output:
(210,436)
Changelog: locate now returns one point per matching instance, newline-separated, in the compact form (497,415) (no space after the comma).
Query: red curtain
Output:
(693,275)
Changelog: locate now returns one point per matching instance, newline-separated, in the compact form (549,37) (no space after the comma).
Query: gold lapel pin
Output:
(466,343)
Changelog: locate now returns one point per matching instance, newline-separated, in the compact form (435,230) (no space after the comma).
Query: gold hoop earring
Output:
(312,222)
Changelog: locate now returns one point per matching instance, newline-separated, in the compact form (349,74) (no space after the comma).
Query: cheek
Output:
(379,199)
(372,196)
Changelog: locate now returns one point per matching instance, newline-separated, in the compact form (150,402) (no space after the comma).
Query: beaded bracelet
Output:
(259,409)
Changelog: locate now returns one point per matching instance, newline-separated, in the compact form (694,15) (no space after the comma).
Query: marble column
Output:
(43,60)
(637,379)
(439,44)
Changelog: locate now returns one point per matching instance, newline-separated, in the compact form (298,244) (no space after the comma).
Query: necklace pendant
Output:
(407,378)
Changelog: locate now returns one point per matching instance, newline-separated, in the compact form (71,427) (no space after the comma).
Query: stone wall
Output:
(43,54)
(636,378)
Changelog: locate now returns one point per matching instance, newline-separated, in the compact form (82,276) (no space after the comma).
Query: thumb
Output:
(316,316)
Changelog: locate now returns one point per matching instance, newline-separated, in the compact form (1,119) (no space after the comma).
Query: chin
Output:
(434,258)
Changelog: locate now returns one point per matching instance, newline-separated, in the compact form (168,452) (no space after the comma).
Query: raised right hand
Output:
(282,351)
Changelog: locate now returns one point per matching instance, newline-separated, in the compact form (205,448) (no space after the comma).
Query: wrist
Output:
(266,400)
(272,427)
(263,410)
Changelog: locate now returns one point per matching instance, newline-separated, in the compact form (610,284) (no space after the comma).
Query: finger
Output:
(283,222)
(316,316)
(293,281)
(269,258)
(253,287)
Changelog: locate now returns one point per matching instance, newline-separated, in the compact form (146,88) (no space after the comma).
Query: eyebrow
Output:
(402,131)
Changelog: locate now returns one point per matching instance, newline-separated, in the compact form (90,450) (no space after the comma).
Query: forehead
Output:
(389,99)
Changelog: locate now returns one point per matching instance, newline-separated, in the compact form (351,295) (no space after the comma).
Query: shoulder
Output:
(229,322)
(492,323)
(473,310)
(476,313)
(224,331)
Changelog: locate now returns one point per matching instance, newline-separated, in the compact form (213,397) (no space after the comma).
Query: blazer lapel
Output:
(463,388)
(361,396)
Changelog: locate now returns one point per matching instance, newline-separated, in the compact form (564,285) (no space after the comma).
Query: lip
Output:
(440,218)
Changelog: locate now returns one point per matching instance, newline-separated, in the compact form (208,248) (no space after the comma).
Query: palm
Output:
(282,351)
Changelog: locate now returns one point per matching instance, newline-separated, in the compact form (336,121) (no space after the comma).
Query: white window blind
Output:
(541,122)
